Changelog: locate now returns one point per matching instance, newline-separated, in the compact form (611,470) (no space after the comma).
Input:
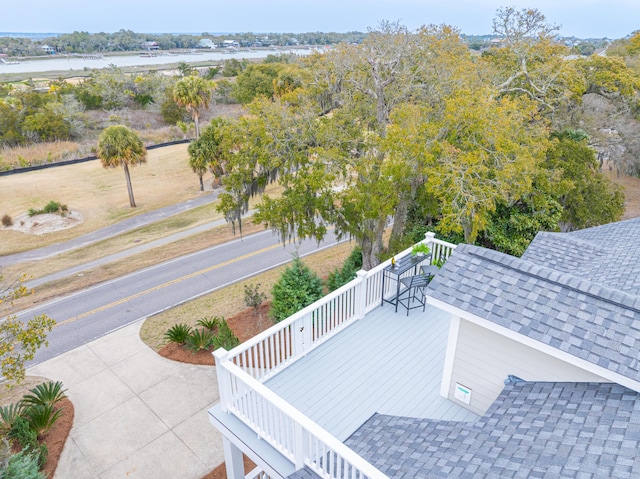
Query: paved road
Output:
(109,231)
(91,313)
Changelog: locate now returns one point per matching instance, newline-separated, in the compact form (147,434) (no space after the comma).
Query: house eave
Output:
(537,345)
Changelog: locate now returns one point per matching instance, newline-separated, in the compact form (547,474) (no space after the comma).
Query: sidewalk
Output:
(109,231)
(137,414)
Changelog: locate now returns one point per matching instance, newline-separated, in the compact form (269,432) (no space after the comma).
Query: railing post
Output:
(302,334)
(429,236)
(224,379)
(300,451)
(361,293)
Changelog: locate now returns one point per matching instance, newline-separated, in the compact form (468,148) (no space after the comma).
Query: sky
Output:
(579,18)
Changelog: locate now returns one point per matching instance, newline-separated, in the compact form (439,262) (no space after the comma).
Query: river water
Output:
(58,63)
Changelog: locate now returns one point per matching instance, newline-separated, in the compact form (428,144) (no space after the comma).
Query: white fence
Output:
(242,371)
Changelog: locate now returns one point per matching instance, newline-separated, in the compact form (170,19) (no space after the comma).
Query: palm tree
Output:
(193,92)
(206,151)
(198,160)
(120,146)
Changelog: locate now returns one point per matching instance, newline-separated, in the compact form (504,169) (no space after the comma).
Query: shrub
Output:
(23,434)
(51,207)
(253,297)
(342,276)
(200,339)
(225,337)
(8,416)
(42,417)
(23,465)
(210,322)
(45,394)
(7,221)
(298,287)
(177,333)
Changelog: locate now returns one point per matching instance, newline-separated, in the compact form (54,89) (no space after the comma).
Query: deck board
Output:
(386,363)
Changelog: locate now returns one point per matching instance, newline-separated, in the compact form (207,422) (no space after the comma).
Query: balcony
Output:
(290,396)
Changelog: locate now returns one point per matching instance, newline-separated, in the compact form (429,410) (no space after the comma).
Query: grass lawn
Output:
(229,301)
(99,194)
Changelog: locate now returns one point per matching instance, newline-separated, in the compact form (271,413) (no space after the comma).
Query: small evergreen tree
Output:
(298,287)
(341,276)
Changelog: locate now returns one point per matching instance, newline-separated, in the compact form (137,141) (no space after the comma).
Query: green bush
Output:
(225,337)
(23,434)
(23,465)
(177,333)
(200,339)
(45,394)
(42,417)
(298,287)
(341,276)
(8,416)
(253,297)
(210,322)
(51,207)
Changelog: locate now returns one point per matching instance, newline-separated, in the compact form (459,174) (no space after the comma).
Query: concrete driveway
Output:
(137,414)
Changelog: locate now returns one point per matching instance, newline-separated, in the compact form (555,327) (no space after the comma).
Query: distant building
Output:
(150,46)
(49,50)
(230,43)
(206,43)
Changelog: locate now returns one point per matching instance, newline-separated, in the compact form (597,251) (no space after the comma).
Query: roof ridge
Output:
(563,279)
(572,239)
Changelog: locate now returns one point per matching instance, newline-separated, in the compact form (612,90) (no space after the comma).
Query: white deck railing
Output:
(290,432)
(242,371)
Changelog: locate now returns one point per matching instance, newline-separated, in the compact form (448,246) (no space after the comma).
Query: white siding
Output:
(484,359)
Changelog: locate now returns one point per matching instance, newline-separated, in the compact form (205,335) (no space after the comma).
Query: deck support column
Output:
(450,354)
(233,460)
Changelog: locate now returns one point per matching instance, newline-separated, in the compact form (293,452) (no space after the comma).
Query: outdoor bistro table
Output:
(393,273)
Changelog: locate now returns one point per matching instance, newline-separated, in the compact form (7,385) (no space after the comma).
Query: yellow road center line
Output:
(168,283)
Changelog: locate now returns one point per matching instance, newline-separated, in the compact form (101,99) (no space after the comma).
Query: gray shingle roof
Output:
(536,429)
(578,292)
(606,254)
(561,305)
(584,430)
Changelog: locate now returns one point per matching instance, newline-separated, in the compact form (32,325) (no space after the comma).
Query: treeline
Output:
(33,113)
(59,112)
(486,149)
(127,40)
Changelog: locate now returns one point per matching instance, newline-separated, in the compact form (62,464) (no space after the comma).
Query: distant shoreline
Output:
(81,63)
(40,36)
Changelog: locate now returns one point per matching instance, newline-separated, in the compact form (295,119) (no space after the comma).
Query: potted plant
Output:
(420,249)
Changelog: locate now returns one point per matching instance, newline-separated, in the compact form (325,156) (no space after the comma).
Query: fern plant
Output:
(210,322)
(45,394)
(42,417)
(178,333)
(200,339)
(8,416)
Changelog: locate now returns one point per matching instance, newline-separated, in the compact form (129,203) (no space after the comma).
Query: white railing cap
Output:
(308,424)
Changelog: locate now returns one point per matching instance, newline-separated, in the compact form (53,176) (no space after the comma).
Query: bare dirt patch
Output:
(46,223)
(631,186)
(57,436)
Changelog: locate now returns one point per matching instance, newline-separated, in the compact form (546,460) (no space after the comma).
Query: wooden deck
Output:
(386,363)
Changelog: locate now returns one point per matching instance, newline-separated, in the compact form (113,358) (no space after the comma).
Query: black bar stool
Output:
(413,292)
